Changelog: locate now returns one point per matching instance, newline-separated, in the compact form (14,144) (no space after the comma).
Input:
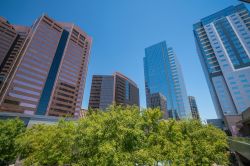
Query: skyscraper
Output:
(223,45)
(11,40)
(109,89)
(194,108)
(163,75)
(7,37)
(48,69)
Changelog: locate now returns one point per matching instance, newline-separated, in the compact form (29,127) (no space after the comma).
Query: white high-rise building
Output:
(223,44)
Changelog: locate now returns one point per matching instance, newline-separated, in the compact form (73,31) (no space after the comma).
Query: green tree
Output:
(9,130)
(123,136)
(47,144)
(114,137)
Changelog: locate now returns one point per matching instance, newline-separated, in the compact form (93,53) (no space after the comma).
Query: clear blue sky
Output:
(121,29)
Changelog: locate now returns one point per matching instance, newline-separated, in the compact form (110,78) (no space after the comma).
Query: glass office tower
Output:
(163,75)
(223,45)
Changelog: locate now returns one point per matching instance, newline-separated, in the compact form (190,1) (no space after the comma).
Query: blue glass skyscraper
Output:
(163,75)
(223,44)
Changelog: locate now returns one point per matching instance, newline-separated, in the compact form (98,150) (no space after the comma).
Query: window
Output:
(23,97)
(127,90)
(29,79)
(239,98)
(235,87)
(241,76)
(246,86)
(27,105)
(237,92)
(28,85)
(26,91)
(225,65)
(233,82)
(230,40)
(11,102)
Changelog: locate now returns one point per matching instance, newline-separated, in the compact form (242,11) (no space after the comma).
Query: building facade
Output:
(163,75)
(194,108)
(157,100)
(49,64)
(11,41)
(7,38)
(223,45)
(219,123)
(109,89)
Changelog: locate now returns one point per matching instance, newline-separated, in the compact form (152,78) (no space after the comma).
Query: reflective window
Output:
(235,50)
(246,86)
(127,87)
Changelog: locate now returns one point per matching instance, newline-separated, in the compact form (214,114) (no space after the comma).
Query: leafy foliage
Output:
(9,130)
(47,144)
(123,136)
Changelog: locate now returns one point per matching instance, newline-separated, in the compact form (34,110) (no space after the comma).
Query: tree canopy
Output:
(9,130)
(123,136)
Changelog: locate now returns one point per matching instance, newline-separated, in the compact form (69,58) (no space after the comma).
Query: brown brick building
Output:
(194,108)
(116,88)
(158,100)
(44,67)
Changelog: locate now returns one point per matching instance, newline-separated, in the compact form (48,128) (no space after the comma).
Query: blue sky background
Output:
(121,29)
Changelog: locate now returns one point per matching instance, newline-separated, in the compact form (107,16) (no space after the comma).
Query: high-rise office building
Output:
(11,41)
(157,100)
(223,45)
(45,69)
(194,108)
(7,38)
(163,75)
(102,91)
(109,89)
(11,58)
